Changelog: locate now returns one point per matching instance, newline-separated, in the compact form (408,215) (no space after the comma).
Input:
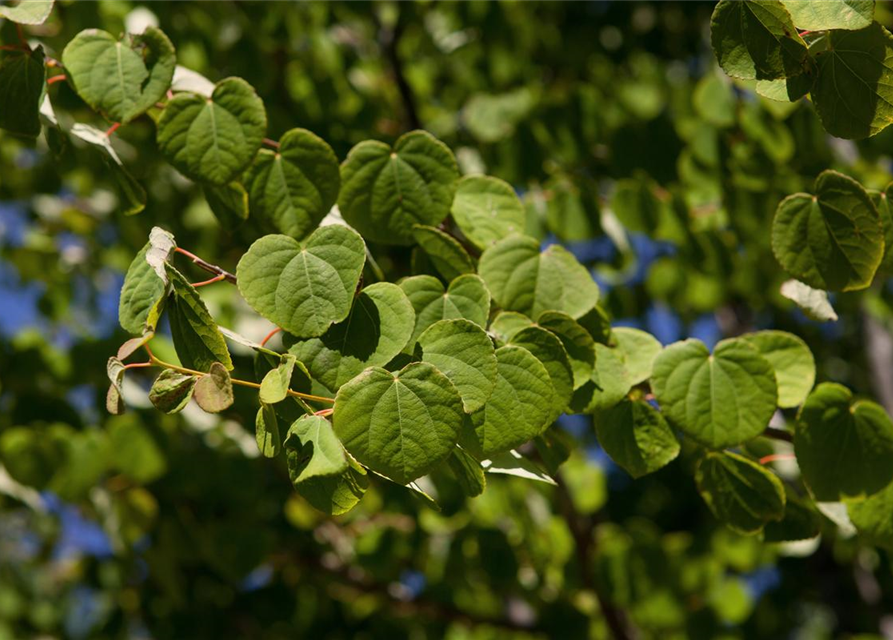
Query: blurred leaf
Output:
(22,86)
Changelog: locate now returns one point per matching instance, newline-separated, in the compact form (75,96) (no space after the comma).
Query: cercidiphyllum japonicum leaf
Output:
(547,348)
(830,14)
(518,408)
(873,517)
(740,492)
(130,346)
(27,11)
(142,296)
(228,202)
(607,385)
(800,522)
(813,302)
(121,78)
(294,187)
(161,247)
(469,473)
(792,361)
(832,240)
(719,400)
(377,329)
(115,371)
(213,139)
(214,391)
(446,254)
(466,297)
(274,386)
(639,350)
(289,410)
(578,344)
(132,194)
(303,288)
(402,424)
(636,436)
(335,495)
(197,338)
(756,40)
(512,463)
(844,446)
(385,192)
(464,353)
(881,200)
(22,86)
(522,279)
(487,209)
(787,89)
(853,90)
(172,391)
(266,431)
(507,323)
(313,450)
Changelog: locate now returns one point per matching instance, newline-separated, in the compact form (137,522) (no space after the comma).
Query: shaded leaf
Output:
(172,391)
(312,450)
(637,437)
(197,338)
(577,342)
(446,254)
(22,87)
(335,495)
(266,431)
(468,472)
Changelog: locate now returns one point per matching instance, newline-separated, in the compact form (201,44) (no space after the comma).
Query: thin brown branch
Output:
(778,434)
(207,266)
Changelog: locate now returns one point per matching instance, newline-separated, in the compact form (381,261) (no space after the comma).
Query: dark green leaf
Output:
(197,338)
(637,437)
(22,88)
(446,254)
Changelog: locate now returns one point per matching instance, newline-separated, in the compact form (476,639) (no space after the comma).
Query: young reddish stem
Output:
(271,143)
(776,456)
(207,266)
(138,365)
(12,47)
(56,79)
(112,129)
(216,278)
(170,94)
(324,412)
(803,33)
(269,335)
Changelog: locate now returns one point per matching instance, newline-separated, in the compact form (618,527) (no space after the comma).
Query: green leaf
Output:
(464,353)
(274,387)
(873,517)
(578,344)
(213,139)
(266,431)
(719,400)
(466,297)
(385,192)
(446,254)
(547,348)
(637,437)
(792,361)
(637,206)
(335,495)
(832,240)
(120,78)
(739,492)
(377,329)
(853,91)
(115,371)
(800,522)
(639,350)
(813,302)
(22,86)
(487,209)
(137,455)
(787,89)
(512,463)
(27,11)
(172,391)
(831,14)
(303,288)
(312,450)
(400,425)
(132,194)
(197,338)
(142,295)
(214,390)
(522,279)
(755,39)
(161,247)
(844,446)
(229,203)
(507,323)
(518,409)
(881,200)
(295,186)
(608,384)
(468,472)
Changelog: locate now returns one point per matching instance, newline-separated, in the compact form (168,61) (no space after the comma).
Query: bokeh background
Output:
(626,144)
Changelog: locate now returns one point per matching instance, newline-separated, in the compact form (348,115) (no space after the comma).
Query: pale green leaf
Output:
(22,87)
(507,323)
(512,463)
(30,12)
(274,387)
(113,401)
(873,517)
(830,14)
(578,344)
(172,391)
(197,338)
(446,254)
(636,436)
(466,297)
(401,424)
(214,390)
(142,295)
(719,400)
(792,361)
(487,209)
(787,89)
(844,446)
(266,431)
(312,450)
(639,350)
(386,192)
(813,302)
(213,139)
(303,288)
(608,384)
(547,348)
(335,495)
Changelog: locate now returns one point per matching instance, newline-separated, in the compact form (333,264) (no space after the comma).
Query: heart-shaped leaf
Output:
(295,186)
(518,408)
(637,437)
(831,14)
(27,11)
(198,340)
(401,425)
(547,348)
(463,352)
(213,139)
(522,279)
(22,86)
(719,400)
(334,495)
(386,192)
(214,390)
(608,384)
(467,297)
(578,344)
(639,350)
(172,391)
(376,330)
(873,517)
(487,210)
(844,446)
(303,288)
(312,450)
(507,323)
(468,472)
(792,361)
(446,254)
(832,240)
(120,78)
(142,295)
(229,203)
